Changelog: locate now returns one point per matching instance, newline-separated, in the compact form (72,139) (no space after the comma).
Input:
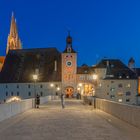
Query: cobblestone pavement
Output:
(75,122)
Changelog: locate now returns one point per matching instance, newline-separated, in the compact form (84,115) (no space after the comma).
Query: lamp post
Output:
(35,77)
(95,77)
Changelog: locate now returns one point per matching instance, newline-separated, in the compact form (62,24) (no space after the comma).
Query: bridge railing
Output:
(8,110)
(128,113)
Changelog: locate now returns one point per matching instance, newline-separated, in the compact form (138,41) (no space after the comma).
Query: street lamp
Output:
(35,77)
(95,76)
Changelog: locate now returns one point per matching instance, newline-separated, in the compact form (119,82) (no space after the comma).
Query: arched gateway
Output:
(69,91)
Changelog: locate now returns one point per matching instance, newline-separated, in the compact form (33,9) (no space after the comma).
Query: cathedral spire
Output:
(13,41)
(13,28)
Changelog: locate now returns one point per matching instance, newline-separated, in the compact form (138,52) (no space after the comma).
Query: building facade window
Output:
(120,100)
(29,93)
(112,89)
(127,100)
(41,86)
(29,86)
(112,96)
(41,93)
(120,93)
(120,85)
(128,93)
(6,93)
(17,86)
(17,93)
(128,85)
(12,93)
(6,86)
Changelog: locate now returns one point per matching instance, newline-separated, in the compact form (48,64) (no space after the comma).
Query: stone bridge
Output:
(76,122)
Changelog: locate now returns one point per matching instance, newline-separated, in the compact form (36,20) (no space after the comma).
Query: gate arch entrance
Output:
(69,91)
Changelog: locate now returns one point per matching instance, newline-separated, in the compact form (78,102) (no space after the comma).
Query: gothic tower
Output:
(69,68)
(13,41)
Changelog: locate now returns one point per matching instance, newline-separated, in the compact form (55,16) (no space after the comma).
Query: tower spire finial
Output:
(68,32)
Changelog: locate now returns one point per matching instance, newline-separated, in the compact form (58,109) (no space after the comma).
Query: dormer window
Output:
(127,76)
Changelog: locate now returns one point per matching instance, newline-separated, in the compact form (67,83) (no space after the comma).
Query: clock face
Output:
(69,63)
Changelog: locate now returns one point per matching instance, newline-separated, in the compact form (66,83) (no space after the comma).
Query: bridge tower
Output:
(69,68)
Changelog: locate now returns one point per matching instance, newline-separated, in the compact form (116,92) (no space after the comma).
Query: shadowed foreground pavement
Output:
(75,122)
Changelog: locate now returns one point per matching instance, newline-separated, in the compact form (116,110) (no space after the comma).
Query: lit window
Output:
(120,93)
(120,100)
(128,85)
(127,76)
(112,89)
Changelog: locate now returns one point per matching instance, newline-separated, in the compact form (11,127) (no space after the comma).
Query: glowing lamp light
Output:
(78,88)
(35,76)
(13,99)
(58,88)
(80,84)
(95,76)
(52,85)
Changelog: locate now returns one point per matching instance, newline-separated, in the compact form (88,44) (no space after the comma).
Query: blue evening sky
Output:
(100,28)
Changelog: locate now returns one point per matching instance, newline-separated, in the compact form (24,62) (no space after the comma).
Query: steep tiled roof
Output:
(116,69)
(20,65)
(85,69)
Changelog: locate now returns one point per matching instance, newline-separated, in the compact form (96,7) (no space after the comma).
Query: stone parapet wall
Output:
(8,110)
(128,113)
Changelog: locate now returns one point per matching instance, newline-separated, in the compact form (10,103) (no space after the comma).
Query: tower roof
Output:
(13,27)
(69,48)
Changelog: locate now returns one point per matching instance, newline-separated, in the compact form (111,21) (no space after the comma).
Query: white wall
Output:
(24,88)
(8,110)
